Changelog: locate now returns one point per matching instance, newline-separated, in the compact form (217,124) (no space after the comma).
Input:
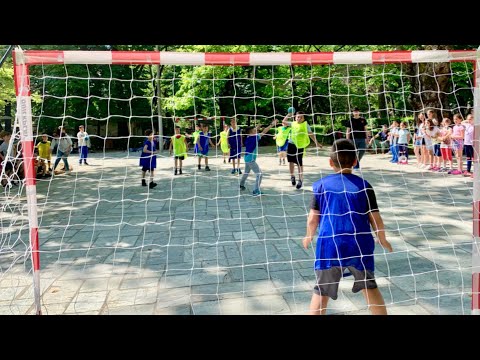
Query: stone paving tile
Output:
(225,252)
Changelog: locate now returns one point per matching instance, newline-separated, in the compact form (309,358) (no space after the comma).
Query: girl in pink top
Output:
(458,134)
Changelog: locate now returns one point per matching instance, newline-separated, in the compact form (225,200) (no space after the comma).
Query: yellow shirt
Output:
(44,150)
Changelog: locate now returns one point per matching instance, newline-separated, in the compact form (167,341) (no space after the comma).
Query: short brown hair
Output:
(343,154)
(148,132)
(4,133)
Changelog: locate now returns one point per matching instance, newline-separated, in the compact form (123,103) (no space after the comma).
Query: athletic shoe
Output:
(234,171)
(207,168)
(152,185)
(176,171)
(455,172)
(257,193)
(292,179)
(242,187)
(144,182)
(86,163)
(199,167)
(466,173)
(299,184)
(239,172)
(180,172)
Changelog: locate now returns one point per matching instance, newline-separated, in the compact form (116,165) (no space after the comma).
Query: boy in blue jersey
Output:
(343,208)
(251,150)
(202,143)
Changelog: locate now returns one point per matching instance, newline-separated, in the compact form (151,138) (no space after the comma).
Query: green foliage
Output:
(97,94)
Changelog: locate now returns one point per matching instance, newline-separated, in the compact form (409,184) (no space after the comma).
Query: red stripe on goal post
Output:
(299,58)
(476,292)
(44,57)
(228,59)
(135,57)
(390,57)
(35,249)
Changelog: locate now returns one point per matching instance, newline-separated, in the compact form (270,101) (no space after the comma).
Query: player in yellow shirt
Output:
(178,144)
(44,152)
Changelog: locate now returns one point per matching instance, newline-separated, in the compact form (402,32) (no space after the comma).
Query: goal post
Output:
(24,59)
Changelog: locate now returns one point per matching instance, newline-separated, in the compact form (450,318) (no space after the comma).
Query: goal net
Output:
(85,231)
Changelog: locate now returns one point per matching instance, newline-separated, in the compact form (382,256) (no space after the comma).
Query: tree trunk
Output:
(430,83)
(382,102)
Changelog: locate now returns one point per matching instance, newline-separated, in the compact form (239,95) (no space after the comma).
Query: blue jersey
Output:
(344,235)
(148,161)
(235,139)
(251,146)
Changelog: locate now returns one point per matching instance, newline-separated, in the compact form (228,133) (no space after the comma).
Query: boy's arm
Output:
(267,129)
(312,225)
(314,139)
(378,227)
(170,147)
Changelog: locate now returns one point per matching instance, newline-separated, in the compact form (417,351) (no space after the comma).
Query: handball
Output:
(291,110)
(87,137)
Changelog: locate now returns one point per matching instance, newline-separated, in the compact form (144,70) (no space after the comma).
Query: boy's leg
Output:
(57,160)
(256,169)
(245,175)
(65,161)
(375,301)
(318,305)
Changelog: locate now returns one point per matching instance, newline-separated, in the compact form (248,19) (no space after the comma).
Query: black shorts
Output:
(468,150)
(328,280)
(180,157)
(145,169)
(294,155)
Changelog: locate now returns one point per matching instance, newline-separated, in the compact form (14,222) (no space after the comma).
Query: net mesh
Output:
(197,243)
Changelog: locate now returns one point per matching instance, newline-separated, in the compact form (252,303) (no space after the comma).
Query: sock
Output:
(469,165)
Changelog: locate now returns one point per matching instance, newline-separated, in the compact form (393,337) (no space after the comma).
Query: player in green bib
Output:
(299,139)
(178,143)
(281,138)
(195,135)
(224,143)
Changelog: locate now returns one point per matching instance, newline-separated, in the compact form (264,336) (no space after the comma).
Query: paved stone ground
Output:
(196,245)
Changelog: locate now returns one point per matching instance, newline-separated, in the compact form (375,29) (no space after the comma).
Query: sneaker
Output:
(86,163)
(292,179)
(180,171)
(242,187)
(175,172)
(466,173)
(152,185)
(234,171)
(207,168)
(455,172)
(239,172)
(144,182)
(199,167)
(299,184)
(257,193)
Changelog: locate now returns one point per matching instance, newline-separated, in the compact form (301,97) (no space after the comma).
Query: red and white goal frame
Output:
(24,59)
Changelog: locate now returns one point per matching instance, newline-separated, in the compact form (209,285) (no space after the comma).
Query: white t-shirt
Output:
(81,135)
(393,138)
(431,134)
(403,136)
(468,135)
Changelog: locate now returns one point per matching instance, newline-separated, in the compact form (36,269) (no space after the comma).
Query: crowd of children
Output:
(60,145)
(438,146)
